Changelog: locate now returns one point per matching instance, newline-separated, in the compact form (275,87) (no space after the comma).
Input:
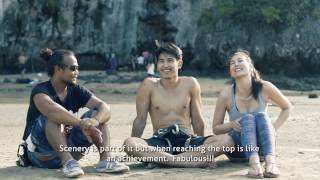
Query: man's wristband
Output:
(82,125)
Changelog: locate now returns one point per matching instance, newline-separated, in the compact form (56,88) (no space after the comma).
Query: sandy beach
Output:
(298,144)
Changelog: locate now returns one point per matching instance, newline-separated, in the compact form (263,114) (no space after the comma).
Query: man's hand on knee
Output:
(87,122)
(90,130)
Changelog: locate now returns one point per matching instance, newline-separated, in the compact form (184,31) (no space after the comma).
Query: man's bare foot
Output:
(211,165)
(152,166)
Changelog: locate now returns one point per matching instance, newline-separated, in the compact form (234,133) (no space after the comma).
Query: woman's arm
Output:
(275,95)
(218,126)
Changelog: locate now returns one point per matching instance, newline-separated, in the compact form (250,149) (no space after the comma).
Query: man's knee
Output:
(223,139)
(51,126)
(103,125)
(227,140)
(130,144)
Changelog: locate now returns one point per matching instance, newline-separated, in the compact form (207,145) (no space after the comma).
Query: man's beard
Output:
(70,83)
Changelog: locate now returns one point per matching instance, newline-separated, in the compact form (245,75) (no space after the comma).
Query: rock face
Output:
(292,50)
(91,28)
(95,28)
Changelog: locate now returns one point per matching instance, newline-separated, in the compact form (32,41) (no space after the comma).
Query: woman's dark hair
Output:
(255,75)
(169,48)
(54,58)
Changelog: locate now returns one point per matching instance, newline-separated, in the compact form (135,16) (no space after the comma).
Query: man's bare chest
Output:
(167,102)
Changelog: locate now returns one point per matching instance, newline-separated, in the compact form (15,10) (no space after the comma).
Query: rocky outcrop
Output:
(291,51)
(95,28)
(91,28)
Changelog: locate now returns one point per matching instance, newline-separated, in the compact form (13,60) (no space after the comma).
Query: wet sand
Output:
(298,146)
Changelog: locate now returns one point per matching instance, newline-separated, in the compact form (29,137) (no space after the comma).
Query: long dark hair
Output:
(54,58)
(256,86)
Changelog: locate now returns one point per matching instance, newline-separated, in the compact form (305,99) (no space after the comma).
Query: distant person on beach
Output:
(249,126)
(133,57)
(22,59)
(150,66)
(140,62)
(174,105)
(114,63)
(55,136)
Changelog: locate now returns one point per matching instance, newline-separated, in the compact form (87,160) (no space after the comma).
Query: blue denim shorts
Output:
(44,155)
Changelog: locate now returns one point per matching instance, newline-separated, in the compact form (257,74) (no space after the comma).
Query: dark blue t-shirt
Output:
(77,97)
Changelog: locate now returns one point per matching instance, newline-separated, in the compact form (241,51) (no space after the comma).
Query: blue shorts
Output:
(44,155)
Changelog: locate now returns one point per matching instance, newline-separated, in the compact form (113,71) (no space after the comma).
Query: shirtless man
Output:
(174,105)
